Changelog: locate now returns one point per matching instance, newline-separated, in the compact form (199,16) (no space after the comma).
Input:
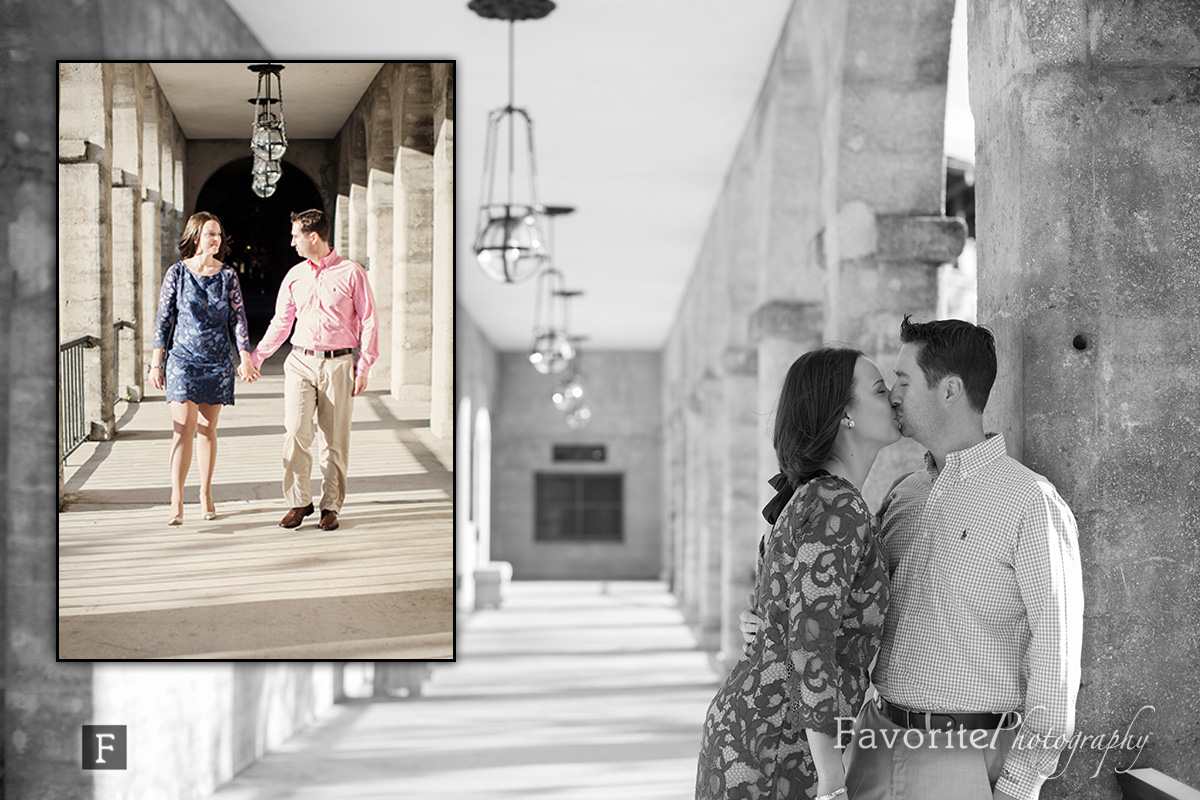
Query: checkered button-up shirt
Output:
(986,609)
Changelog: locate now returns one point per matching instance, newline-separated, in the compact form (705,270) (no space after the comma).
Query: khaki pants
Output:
(882,767)
(325,387)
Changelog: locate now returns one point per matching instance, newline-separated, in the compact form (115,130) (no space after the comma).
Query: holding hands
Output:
(247,371)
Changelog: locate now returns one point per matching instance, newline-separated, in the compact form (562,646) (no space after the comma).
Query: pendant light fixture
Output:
(552,350)
(268,137)
(509,243)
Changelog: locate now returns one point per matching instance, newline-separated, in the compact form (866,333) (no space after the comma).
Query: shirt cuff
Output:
(257,359)
(1019,784)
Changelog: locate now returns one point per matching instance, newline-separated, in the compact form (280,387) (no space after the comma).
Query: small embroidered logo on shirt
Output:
(964,533)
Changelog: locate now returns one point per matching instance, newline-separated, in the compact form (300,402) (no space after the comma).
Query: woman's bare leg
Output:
(183,417)
(206,430)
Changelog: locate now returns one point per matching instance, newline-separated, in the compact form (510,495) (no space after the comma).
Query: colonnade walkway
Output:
(239,586)
(570,691)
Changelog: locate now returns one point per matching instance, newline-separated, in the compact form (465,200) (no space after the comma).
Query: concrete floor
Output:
(239,586)
(568,691)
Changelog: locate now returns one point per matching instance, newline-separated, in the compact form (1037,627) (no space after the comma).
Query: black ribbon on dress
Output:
(784,492)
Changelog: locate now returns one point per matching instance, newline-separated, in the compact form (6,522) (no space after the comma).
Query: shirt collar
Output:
(330,258)
(969,461)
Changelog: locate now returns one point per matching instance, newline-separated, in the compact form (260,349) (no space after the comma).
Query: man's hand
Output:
(360,384)
(748,625)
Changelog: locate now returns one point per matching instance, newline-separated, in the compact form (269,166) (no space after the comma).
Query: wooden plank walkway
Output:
(239,586)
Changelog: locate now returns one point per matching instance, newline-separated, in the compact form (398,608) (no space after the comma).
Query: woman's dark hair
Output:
(816,391)
(191,235)
(954,347)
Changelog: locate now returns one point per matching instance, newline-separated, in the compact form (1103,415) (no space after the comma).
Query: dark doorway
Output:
(259,231)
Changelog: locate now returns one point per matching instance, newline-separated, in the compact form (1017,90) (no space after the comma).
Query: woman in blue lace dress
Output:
(200,314)
(821,593)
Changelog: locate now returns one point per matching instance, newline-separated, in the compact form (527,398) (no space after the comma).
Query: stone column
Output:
(441,407)
(380,270)
(412,286)
(85,233)
(341,223)
(465,554)
(358,223)
(713,453)
(151,266)
(126,222)
(780,332)
(1088,152)
(742,522)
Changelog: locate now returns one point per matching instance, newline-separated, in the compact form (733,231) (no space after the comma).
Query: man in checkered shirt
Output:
(986,611)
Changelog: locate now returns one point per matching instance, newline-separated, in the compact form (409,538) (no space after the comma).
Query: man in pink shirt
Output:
(329,298)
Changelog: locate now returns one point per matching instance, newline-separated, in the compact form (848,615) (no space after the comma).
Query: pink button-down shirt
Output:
(332,306)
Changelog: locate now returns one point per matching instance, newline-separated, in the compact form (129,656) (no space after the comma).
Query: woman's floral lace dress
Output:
(206,310)
(821,593)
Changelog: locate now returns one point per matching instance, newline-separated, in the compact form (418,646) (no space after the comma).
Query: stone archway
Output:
(259,230)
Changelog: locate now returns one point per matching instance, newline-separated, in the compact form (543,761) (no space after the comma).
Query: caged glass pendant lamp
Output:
(268,135)
(569,392)
(552,349)
(509,242)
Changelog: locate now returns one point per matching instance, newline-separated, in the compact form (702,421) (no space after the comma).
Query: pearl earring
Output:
(849,423)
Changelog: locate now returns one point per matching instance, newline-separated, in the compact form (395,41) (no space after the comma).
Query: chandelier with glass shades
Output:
(268,137)
(509,243)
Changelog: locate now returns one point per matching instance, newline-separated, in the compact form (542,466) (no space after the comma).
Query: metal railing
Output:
(73,430)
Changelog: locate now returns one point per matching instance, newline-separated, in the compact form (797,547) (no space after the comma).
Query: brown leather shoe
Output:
(294,517)
(328,520)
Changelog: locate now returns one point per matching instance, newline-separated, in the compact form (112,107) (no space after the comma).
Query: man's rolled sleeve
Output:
(281,324)
(1050,581)
(364,308)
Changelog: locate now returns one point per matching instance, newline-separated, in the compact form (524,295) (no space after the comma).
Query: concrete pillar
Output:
(358,223)
(741,521)
(885,240)
(690,568)
(412,288)
(151,267)
(1088,225)
(713,454)
(780,332)
(127,163)
(341,223)
(126,224)
(465,557)
(441,406)
(380,268)
(85,234)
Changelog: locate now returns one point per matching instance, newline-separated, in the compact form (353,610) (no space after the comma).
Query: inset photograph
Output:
(255,377)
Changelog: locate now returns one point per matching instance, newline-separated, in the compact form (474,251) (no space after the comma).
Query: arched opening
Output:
(259,230)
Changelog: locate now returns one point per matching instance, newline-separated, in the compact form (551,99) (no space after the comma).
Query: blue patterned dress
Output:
(821,594)
(204,310)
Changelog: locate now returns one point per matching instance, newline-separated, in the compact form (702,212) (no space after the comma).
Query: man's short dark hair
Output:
(312,221)
(955,347)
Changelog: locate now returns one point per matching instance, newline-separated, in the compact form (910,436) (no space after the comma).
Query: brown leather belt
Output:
(940,721)
(345,351)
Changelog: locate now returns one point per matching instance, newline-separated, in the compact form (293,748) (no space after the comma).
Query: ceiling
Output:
(638,107)
(210,100)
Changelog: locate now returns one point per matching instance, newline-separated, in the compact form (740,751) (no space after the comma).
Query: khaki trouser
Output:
(324,386)
(926,767)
